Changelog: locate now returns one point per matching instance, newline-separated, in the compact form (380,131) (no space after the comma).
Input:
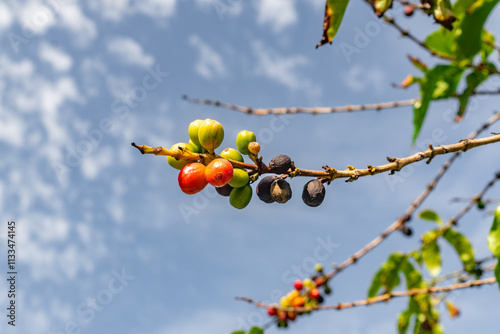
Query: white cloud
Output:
(116,10)
(278,13)
(283,69)
(59,60)
(129,52)
(210,63)
(359,79)
(157,8)
(84,29)
(93,164)
(6,17)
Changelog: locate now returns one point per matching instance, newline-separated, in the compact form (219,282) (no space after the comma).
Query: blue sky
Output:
(103,246)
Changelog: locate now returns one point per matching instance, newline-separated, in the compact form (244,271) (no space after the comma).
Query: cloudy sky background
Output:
(99,223)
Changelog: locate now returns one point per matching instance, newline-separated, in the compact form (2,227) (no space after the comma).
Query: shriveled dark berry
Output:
(409,10)
(281,191)
(225,190)
(264,189)
(407,231)
(280,164)
(313,193)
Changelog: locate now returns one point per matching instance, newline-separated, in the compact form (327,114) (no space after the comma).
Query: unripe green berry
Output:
(244,138)
(240,178)
(231,153)
(240,197)
(193,130)
(210,134)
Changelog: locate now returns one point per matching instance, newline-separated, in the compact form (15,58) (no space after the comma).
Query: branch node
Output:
(466,142)
(433,154)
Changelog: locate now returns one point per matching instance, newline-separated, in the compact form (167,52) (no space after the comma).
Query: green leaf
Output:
(497,273)
(387,276)
(432,258)
(256,330)
(443,13)
(334,13)
(473,80)
(467,34)
(412,276)
(439,83)
(487,45)
(238,332)
(380,6)
(440,41)
(430,215)
(462,247)
(494,236)
(404,321)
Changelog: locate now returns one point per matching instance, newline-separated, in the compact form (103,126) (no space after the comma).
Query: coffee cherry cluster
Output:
(200,165)
(306,293)
(205,137)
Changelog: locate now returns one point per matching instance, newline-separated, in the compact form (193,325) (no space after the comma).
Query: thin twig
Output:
(413,206)
(377,299)
(408,34)
(295,110)
(351,173)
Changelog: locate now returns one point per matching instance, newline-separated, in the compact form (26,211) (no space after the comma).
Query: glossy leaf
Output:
(430,215)
(487,46)
(440,41)
(439,83)
(473,80)
(494,236)
(467,35)
(334,13)
(462,247)
(432,258)
(256,330)
(380,6)
(404,321)
(387,276)
(443,13)
(497,274)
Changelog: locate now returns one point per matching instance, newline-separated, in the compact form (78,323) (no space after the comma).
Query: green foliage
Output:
(439,82)
(494,236)
(473,80)
(432,257)
(463,248)
(494,241)
(388,275)
(256,330)
(253,330)
(430,215)
(468,32)
(334,13)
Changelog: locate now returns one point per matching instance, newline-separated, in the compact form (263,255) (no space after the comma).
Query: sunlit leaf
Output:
(430,215)
(432,258)
(494,236)
(462,247)
(440,82)
(387,276)
(443,13)
(256,330)
(334,13)
(380,6)
(468,32)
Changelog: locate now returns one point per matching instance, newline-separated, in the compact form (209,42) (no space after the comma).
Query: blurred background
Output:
(107,242)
